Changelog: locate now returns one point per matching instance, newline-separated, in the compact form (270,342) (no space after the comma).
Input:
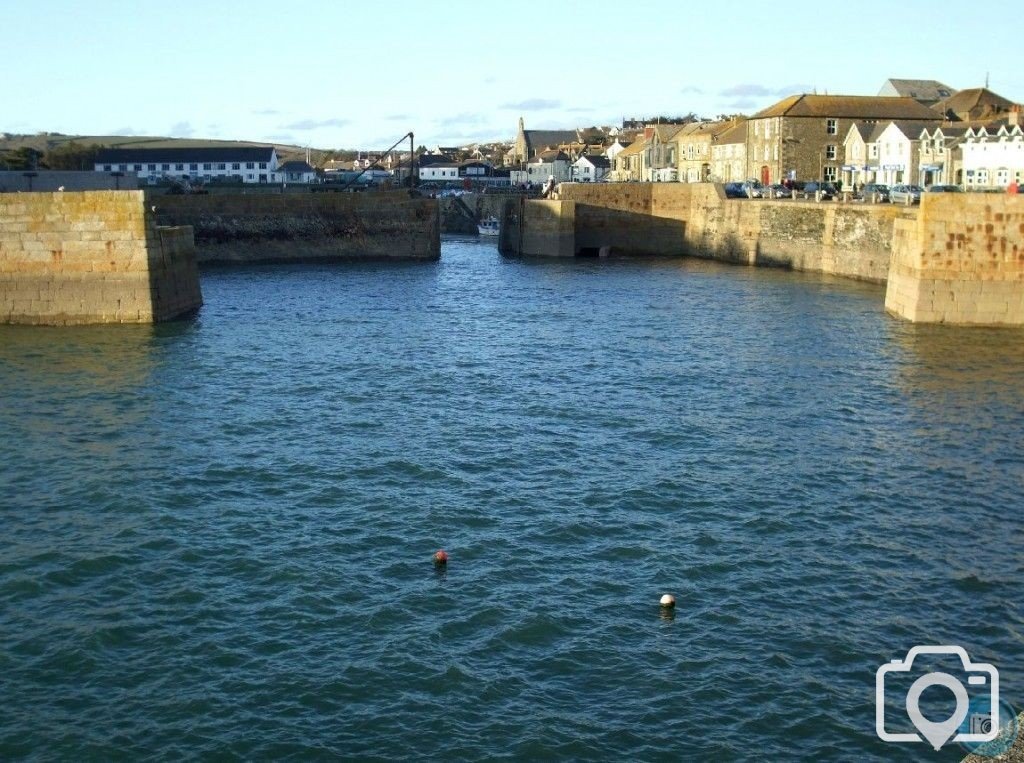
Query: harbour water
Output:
(217,534)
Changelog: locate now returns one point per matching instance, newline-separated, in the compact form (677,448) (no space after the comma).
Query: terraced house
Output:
(993,155)
(694,143)
(801,137)
(729,154)
(246,164)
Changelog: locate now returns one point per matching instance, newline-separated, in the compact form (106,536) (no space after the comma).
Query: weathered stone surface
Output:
(245,228)
(960,260)
(85,258)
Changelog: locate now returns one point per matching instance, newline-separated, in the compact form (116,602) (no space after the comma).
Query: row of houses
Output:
(914,131)
(204,164)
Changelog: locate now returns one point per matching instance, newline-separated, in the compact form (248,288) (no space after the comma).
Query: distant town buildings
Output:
(913,131)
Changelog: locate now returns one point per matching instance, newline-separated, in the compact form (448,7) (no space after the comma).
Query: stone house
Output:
(976,104)
(660,153)
(940,155)
(729,154)
(800,137)
(693,149)
(529,143)
(629,164)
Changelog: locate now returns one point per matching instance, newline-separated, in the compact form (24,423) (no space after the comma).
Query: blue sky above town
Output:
(345,74)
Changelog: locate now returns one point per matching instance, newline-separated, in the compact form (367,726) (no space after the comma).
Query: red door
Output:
(766,175)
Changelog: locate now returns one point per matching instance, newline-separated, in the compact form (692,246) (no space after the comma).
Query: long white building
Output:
(246,164)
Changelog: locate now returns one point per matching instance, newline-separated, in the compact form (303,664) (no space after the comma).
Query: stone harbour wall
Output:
(851,240)
(315,227)
(92,257)
(961,260)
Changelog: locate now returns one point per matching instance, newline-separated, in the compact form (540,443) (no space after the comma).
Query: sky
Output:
(360,75)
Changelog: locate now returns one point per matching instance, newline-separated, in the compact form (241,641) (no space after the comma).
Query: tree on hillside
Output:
(72,156)
(22,159)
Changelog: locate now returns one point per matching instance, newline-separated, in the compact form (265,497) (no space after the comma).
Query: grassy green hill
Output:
(44,142)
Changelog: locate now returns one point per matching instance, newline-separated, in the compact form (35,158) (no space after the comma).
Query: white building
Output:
(993,155)
(296,172)
(898,153)
(246,164)
(590,169)
(615,149)
(550,163)
(439,172)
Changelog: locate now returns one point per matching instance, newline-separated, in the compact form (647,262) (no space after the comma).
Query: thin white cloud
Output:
(182,130)
(532,104)
(312,124)
(753,90)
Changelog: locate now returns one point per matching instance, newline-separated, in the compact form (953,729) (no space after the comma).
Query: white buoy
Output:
(668,601)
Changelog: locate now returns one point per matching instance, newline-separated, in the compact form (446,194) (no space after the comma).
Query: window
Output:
(193,167)
(830,151)
(250,166)
(873,151)
(263,165)
(179,167)
(151,167)
(236,166)
(982,177)
(832,126)
(137,167)
(221,166)
(830,175)
(106,168)
(1002,176)
(122,168)
(165,167)
(207,166)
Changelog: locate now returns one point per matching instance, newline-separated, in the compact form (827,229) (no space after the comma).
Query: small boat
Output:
(489,226)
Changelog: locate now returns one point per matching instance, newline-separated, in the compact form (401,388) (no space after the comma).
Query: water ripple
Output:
(218,534)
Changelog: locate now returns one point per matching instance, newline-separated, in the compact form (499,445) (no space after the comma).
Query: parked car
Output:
(734,191)
(753,189)
(776,191)
(828,190)
(905,194)
(871,190)
(943,189)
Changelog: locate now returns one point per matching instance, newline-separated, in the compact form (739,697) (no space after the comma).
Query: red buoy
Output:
(441,557)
